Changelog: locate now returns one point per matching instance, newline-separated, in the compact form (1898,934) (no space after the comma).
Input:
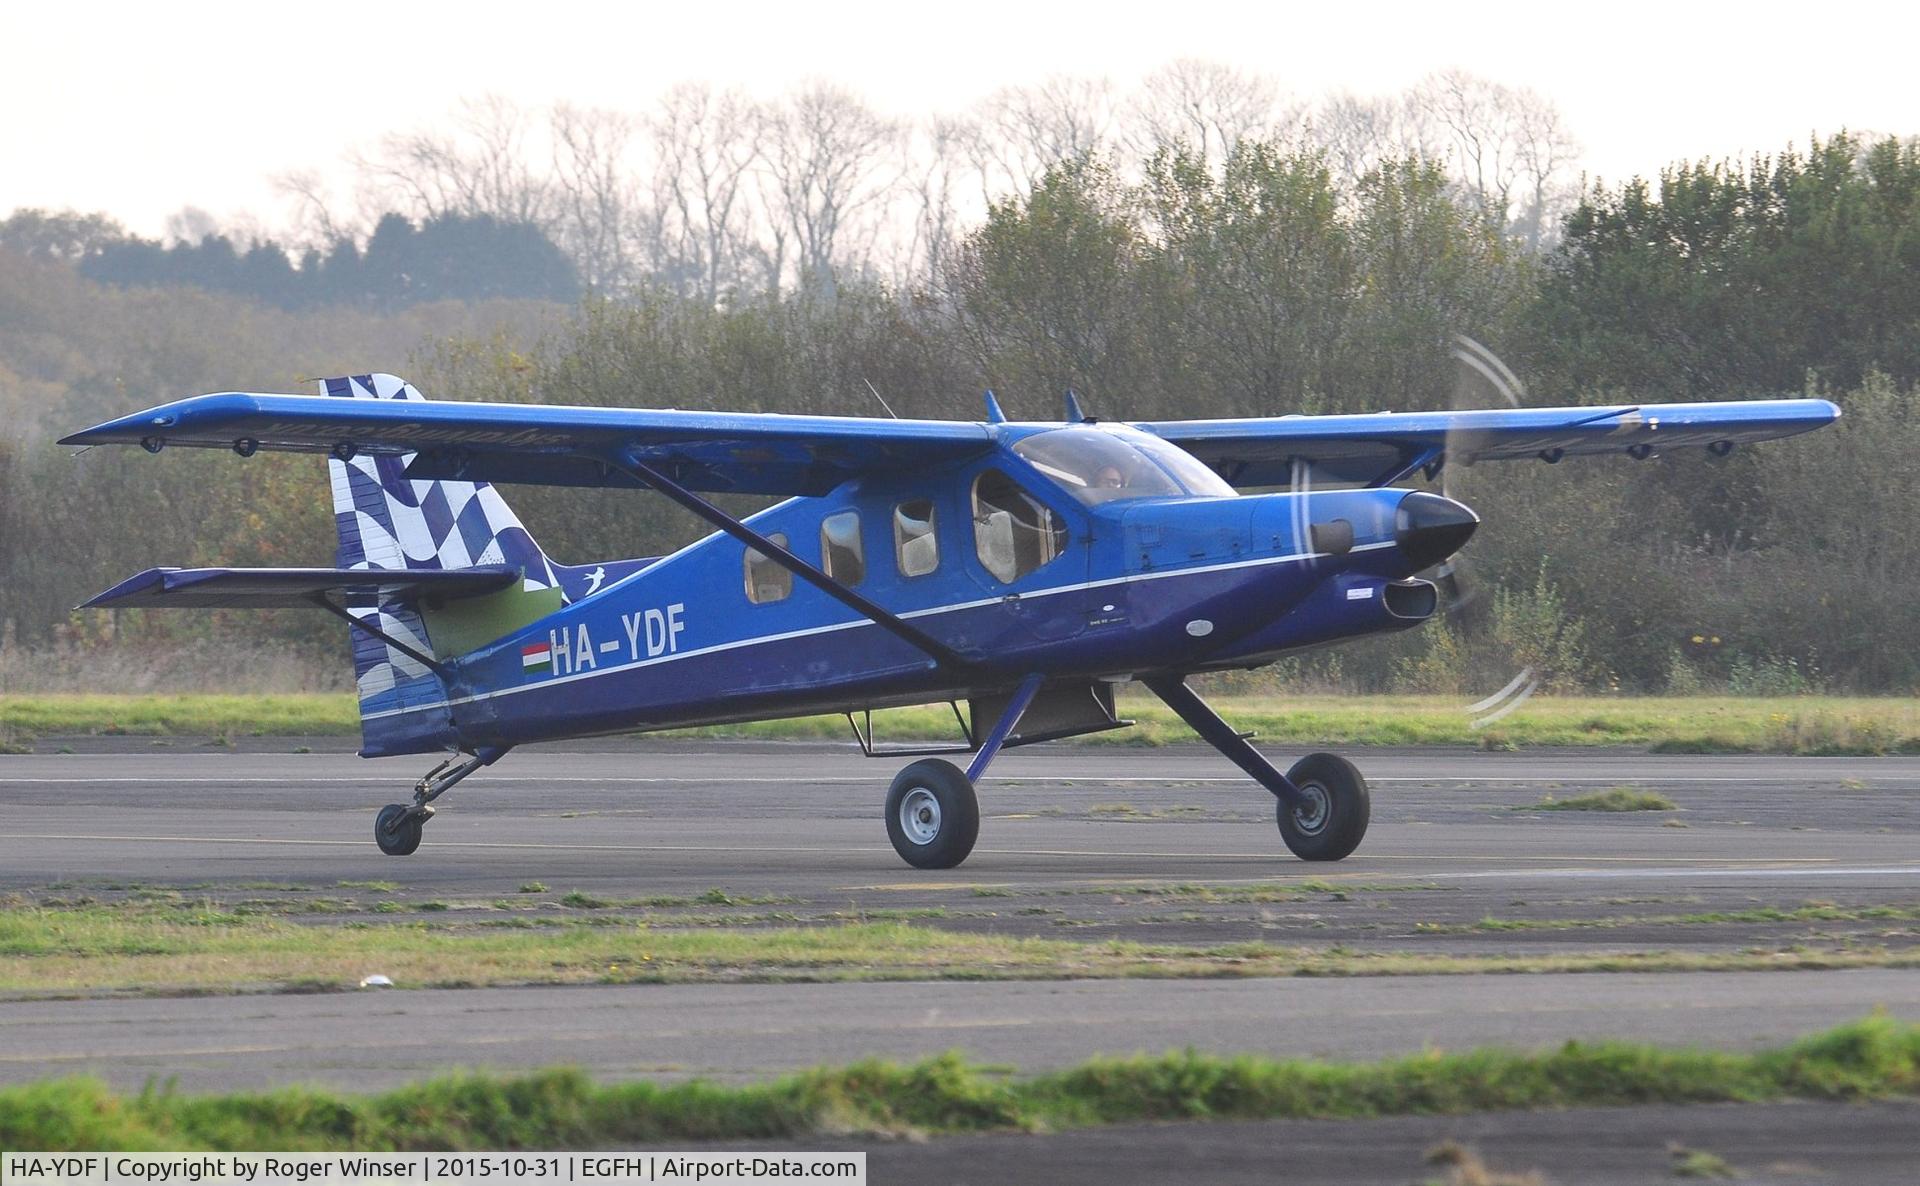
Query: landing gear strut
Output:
(1322,807)
(398,827)
(933,815)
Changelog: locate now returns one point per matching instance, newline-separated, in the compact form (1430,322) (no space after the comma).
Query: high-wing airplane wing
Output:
(1378,449)
(768,453)
(277,588)
(755,453)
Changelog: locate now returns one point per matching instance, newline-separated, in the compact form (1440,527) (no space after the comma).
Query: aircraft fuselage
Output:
(1080,591)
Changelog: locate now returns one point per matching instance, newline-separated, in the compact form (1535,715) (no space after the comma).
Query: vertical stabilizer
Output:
(386,521)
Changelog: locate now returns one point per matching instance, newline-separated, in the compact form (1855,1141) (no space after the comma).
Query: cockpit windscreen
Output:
(1098,465)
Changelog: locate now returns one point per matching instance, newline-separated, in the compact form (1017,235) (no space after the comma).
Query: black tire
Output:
(1334,820)
(397,830)
(933,816)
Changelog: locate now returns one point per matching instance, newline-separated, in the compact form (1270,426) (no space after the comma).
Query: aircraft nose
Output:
(1429,528)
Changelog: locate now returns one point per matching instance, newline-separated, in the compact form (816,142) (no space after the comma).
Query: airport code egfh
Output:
(451,1169)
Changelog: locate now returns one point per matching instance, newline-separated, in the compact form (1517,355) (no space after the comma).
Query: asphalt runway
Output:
(367,1041)
(804,819)
(1763,854)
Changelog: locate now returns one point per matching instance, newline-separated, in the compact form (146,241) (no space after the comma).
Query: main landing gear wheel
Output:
(1332,818)
(933,817)
(397,830)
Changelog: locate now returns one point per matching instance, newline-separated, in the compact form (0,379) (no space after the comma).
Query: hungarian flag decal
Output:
(537,659)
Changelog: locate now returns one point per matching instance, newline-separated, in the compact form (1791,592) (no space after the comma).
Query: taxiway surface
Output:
(805,819)
(1161,845)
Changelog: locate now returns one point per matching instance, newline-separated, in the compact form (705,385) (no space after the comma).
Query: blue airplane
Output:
(1028,569)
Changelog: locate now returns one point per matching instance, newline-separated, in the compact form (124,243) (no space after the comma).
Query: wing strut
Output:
(432,664)
(942,654)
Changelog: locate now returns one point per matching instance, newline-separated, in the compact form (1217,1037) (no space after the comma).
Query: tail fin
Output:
(386,521)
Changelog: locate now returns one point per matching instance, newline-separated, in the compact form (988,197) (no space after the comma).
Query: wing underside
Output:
(1378,449)
(556,445)
(291,588)
(764,453)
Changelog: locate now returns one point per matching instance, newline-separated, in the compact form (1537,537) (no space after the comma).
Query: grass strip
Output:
(94,950)
(1611,799)
(1875,1057)
(195,715)
(1758,914)
(1705,724)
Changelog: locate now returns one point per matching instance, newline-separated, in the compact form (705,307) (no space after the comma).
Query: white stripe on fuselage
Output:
(956,607)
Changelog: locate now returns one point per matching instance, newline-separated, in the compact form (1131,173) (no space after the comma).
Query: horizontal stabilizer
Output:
(278,588)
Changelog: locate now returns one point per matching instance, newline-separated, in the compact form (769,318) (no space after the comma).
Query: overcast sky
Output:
(139,111)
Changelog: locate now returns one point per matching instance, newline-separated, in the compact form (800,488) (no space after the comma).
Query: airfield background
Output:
(1157,275)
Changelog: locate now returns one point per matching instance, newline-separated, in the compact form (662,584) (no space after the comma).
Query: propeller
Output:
(1480,380)
(1479,377)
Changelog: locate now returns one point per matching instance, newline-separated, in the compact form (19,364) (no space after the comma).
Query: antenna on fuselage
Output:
(876,395)
(1075,413)
(994,414)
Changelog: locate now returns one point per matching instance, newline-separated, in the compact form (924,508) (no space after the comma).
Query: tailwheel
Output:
(1330,818)
(397,829)
(933,816)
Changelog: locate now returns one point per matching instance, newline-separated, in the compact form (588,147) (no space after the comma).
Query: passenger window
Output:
(915,547)
(767,579)
(840,551)
(1013,531)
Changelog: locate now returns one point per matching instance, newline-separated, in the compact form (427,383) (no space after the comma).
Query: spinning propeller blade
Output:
(1480,379)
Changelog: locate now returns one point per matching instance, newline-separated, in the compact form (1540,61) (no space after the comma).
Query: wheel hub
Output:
(1310,817)
(920,815)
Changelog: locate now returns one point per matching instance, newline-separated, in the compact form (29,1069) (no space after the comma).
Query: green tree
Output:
(1050,288)
(1427,267)
(1722,280)
(64,235)
(1258,269)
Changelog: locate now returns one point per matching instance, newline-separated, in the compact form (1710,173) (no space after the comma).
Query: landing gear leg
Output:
(398,827)
(1323,805)
(933,815)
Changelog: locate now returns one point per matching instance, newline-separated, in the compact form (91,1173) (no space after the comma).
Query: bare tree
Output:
(1359,133)
(1207,106)
(828,163)
(1549,156)
(594,197)
(1022,131)
(317,217)
(704,145)
(708,188)
(482,167)
(1507,147)
(939,170)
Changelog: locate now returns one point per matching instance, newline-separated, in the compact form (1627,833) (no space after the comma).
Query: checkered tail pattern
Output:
(389,521)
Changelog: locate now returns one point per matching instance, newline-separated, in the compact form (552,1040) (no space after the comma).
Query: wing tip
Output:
(134,586)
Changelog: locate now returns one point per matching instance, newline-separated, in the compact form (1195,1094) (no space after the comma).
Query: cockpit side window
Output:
(767,579)
(1096,466)
(916,547)
(1013,532)
(841,553)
